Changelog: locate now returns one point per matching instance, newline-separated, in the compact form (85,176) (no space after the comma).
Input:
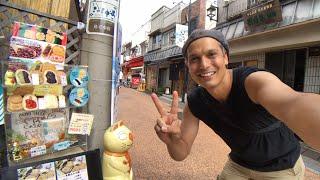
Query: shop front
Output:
(288,48)
(133,71)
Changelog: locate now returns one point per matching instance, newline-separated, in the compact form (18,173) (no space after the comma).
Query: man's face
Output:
(206,62)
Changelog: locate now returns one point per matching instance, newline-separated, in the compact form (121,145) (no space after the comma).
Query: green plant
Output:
(160,91)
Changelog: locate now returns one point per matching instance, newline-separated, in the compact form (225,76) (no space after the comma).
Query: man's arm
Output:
(299,111)
(180,147)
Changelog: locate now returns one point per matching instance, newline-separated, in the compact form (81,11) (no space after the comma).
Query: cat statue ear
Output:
(118,139)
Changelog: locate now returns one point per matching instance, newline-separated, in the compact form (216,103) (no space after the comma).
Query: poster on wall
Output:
(102,17)
(31,43)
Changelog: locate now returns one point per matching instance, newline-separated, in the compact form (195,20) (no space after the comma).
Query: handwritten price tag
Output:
(80,123)
(39,150)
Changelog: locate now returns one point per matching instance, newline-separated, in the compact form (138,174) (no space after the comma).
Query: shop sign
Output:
(80,123)
(102,15)
(181,34)
(262,15)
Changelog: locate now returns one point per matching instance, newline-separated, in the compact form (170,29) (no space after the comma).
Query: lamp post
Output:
(211,12)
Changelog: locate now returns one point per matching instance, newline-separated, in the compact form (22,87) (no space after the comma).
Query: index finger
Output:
(175,101)
(158,104)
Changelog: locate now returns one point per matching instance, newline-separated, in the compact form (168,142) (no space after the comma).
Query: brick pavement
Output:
(149,155)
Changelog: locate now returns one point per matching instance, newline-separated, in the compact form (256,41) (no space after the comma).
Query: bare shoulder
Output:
(262,84)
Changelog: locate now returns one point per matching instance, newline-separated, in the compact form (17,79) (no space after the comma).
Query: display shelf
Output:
(66,152)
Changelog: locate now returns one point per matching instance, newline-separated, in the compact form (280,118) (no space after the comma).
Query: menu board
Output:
(31,43)
(42,171)
(72,168)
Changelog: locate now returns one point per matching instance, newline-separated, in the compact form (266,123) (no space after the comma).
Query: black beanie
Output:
(200,33)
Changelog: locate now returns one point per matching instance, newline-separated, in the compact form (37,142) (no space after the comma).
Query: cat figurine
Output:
(118,139)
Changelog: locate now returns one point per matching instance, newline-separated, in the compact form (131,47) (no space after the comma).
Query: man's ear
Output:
(226,59)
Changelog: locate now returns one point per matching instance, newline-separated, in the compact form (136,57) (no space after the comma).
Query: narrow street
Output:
(149,154)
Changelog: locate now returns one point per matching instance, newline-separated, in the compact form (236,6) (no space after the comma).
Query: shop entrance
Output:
(289,66)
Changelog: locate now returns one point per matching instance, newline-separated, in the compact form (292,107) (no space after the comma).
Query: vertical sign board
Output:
(181,34)
(1,106)
(102,19)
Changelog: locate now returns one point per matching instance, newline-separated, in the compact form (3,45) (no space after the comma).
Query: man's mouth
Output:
(207,74)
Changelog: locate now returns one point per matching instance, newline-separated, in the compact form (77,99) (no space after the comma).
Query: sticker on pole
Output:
(102,16)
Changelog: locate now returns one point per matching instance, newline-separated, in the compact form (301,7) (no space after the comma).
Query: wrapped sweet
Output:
(79,77)
(30,102)
(79,97)
(50,77)
(14,103)
(51,101)
(9,78)
(23,77)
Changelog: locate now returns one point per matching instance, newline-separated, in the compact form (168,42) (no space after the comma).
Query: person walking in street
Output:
(255,114)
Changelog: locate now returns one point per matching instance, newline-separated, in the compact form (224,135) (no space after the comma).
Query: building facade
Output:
(281,36)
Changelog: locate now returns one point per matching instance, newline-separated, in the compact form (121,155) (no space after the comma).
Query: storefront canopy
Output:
(134,62)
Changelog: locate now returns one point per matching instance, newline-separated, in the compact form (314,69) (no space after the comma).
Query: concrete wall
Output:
(173,15)
(157,18)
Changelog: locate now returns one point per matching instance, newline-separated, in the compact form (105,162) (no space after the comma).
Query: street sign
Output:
(102,15)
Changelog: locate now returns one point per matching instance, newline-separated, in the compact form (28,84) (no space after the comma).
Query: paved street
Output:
(149,154)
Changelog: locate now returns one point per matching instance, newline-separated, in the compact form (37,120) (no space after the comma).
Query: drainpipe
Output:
(186,77)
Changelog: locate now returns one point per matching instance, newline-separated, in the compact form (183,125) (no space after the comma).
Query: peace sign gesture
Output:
(168,126)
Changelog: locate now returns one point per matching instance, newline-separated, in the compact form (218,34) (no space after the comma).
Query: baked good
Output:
(30,102)
(62,101)
(23,77)
(50,77)
(51,101)
(9,78)
(62,78)
(57,54)
(47,66)
(14,103)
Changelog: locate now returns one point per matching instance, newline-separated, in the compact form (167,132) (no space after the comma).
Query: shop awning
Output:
(134,62)
(292,13)
(170,52)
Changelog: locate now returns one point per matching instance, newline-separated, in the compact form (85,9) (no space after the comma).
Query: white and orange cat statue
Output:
(118,139)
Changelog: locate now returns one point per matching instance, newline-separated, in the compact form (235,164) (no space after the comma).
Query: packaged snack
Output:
(23,77)
(50,77)
(53,130)
(51,101)
(9,78)
(79,97)
(30,102)
(79,77)
(62,101)
(14,103)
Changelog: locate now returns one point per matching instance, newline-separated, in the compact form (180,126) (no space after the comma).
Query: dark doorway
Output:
(288,66)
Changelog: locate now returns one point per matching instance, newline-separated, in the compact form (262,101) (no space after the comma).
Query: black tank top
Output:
(258,140)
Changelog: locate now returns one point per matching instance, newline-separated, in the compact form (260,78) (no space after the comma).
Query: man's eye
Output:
(193,59)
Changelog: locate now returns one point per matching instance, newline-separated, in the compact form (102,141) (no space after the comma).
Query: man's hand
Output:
(168,126)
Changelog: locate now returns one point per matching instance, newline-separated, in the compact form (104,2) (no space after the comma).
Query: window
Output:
(316,9)
(231,30)
(251,63)
(287,13)
(239,29)
(303,11)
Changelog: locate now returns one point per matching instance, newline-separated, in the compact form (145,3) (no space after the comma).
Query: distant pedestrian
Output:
(249,108)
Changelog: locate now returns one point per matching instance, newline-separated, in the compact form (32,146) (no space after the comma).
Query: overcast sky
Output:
(135,13)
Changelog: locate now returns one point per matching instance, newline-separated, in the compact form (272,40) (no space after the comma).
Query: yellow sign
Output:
(42,90)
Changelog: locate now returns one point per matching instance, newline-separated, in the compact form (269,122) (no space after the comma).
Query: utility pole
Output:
(97,53)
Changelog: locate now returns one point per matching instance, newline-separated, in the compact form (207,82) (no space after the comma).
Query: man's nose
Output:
(205,62)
